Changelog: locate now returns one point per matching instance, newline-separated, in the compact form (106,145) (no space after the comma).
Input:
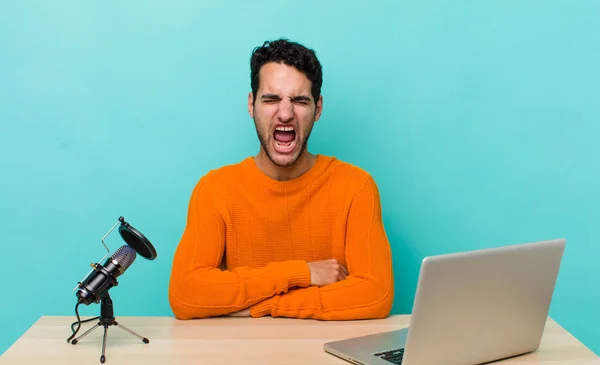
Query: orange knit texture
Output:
(264,232)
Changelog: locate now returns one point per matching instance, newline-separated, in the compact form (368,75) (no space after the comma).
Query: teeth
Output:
(285,145)
(284,128)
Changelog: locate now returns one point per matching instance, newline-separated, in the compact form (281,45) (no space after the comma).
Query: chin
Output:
(283,161)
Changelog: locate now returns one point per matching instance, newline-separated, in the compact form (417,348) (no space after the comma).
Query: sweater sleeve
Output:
(199,288)
(367,292)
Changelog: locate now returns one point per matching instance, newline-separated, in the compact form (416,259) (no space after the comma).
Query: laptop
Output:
(470,308)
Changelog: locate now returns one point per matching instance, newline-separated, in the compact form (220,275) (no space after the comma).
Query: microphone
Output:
(105,276)
(95,285)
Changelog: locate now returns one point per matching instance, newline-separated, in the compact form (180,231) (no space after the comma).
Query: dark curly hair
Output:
(291,54)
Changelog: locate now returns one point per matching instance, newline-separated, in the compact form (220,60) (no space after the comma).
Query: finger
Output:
(342,274)
(344,269)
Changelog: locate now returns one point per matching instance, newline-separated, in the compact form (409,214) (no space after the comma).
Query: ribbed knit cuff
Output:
(298,274)
(261,309)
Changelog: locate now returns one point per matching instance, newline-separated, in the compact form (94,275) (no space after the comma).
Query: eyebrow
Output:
(270,96)
(301,98)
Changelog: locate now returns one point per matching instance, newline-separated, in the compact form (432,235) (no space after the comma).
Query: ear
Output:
(319,108)
(251,105)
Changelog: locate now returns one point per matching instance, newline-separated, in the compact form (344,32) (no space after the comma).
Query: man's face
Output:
(284,112)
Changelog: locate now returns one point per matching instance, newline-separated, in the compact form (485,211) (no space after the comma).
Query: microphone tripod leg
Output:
(85,334)
(103,358)
(144,339)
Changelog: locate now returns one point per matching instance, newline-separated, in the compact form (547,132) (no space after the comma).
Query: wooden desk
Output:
(229,340)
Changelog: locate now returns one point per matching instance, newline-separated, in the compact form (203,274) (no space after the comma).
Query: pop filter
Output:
(136,240)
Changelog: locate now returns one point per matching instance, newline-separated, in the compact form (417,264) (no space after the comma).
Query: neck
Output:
(279,173)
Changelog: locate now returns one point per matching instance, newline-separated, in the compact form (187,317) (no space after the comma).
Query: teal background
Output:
(478,119)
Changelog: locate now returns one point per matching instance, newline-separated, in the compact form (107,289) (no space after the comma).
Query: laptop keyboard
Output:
(393,356)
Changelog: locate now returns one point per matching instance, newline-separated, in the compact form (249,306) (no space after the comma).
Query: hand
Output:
(242,313)
(326,272)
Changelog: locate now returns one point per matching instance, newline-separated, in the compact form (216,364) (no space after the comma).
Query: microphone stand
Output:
(106,319)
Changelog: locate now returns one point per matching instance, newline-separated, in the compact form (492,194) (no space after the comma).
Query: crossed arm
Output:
(321,290)
(322,273)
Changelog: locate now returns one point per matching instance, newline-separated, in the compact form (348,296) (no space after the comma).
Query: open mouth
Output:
(284,139)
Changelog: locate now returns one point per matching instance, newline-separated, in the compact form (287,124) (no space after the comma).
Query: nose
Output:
(285,113)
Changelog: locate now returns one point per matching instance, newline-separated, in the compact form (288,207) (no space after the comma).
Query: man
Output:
(286,233)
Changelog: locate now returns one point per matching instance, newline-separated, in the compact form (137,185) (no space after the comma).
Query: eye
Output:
(270,101)
(301,101)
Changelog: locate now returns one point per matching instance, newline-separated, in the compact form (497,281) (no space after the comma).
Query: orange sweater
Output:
(267,231)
